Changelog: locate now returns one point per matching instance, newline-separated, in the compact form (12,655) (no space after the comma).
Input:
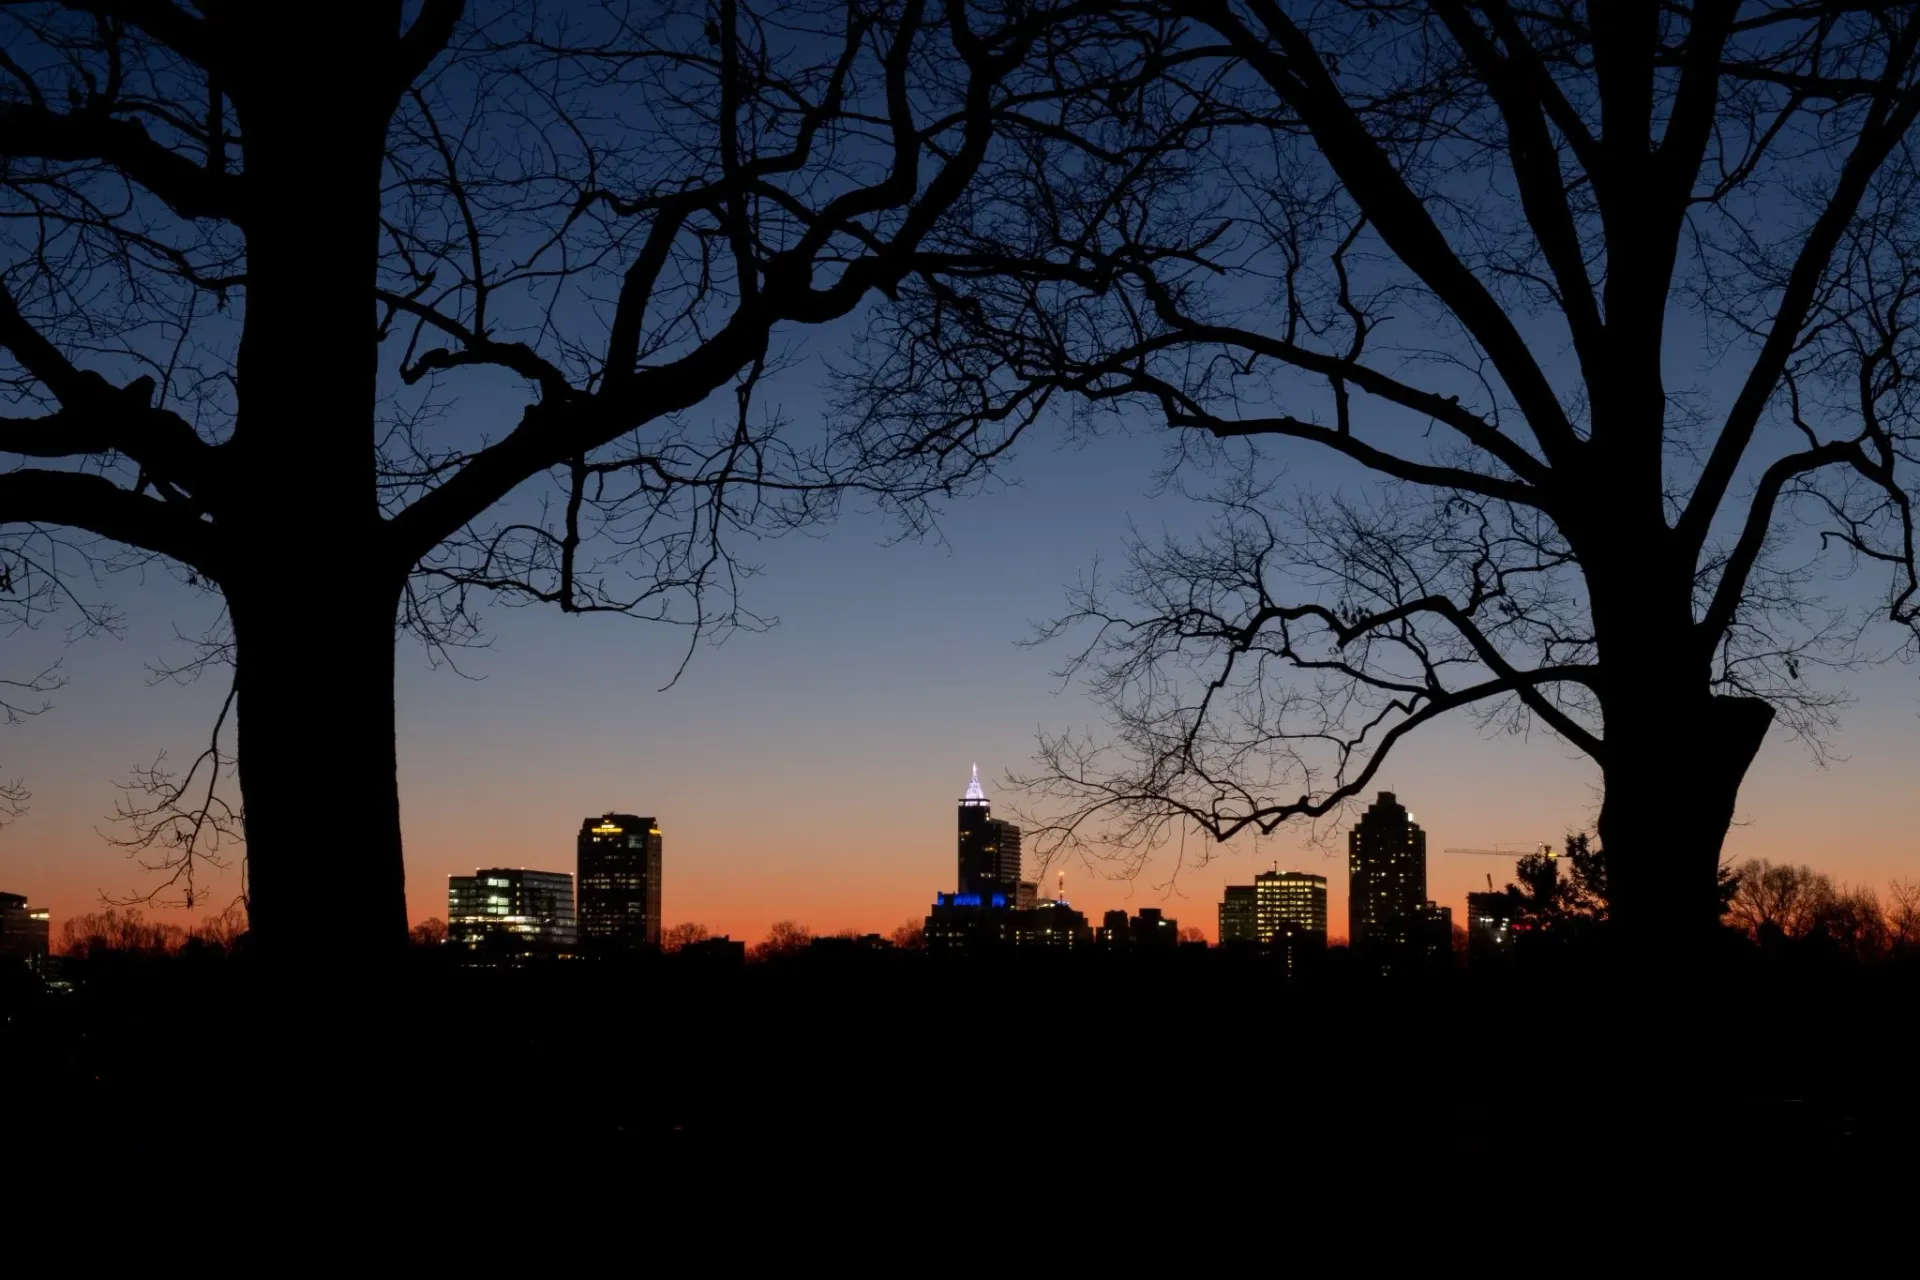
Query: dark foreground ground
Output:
(1087,1067)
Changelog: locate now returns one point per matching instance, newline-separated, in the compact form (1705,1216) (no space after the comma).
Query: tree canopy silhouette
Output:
(250,249)
(1614,303)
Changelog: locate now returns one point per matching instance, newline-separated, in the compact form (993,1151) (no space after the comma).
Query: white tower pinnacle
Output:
(974,793)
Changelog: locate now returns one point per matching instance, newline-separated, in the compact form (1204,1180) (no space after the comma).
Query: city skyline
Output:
(868,692)
(1195,900)
(1374,501)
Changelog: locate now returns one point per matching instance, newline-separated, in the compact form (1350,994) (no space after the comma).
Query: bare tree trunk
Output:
(1675,753)
(318,770)
(1672,776)
(314,594)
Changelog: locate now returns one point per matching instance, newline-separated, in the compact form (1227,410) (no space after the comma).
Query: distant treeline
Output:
(1560,901)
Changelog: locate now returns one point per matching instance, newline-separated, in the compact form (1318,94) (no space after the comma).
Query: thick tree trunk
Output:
(318,771)
(1675,753)
(314,588)
(1672,776)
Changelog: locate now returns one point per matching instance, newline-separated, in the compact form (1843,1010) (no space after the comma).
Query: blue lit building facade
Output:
(993,906)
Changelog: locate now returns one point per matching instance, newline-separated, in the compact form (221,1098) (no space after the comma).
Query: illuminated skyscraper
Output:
(1387,868)
(619,881)
(1006,856)
(989,848)
(521,912)
(1283,898)
(1239,915)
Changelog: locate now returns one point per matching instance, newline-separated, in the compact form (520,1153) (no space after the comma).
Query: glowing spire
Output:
(974,792)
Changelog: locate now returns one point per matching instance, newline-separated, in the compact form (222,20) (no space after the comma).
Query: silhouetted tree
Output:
(1784,899)
(1587,877)
(119,932)
(1570,892)
(20,699)
(910,936)
(1903,914)
(1539,891)
(430,932)
(677,936)
(1499,254)
(1853,923)
(784,938)
(13,799)
(1797,903)
(1193,933)
(226,929)
(251,251)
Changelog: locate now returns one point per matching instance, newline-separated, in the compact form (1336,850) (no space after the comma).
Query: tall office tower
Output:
(989,848)
(1006,857)
(1239,915)
(525,912)
(619,882)
(1282,898)
(1387,873)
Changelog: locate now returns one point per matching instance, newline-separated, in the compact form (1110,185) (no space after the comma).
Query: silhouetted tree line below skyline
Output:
(848,1049)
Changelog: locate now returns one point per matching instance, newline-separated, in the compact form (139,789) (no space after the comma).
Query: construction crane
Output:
(1515,854)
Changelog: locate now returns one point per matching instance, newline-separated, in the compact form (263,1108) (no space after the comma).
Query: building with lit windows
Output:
(1152,929)
(993,906)
(989,849)
(1281,898)
(1006,857)
(1051,923)
(1433,935)
(24,932)
(1489,925)
(970,922)
(1149,929)
(512,911)
(1387,875)
(1238,916)
(619,880)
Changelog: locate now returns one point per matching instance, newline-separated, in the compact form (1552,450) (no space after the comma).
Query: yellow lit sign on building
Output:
(607,828)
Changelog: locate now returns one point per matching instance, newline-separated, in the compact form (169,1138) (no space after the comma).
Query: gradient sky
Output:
(811,772)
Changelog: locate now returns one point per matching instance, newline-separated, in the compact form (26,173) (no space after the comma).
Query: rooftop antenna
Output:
(1062,897)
